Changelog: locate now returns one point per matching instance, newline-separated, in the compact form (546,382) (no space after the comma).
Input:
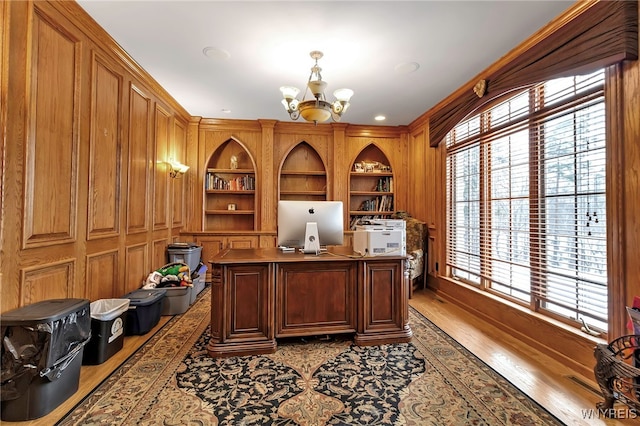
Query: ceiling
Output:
(254,47)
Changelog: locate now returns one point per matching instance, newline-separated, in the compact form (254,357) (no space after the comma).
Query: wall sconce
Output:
(176,169)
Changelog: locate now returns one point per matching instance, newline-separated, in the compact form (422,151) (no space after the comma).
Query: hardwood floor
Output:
(564,393)
(569,396)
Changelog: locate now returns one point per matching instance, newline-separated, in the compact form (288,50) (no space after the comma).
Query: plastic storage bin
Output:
(188,253)
(144,310)
(176,300)
(42,352)
(198,286)
(108,317)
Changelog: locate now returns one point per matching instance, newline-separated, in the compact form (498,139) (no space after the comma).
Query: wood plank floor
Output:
(560,390)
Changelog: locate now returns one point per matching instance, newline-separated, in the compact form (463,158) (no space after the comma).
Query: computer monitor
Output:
(310,224)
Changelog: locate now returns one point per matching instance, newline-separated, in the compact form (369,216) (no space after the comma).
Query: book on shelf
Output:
(239,183)
(385,184)
(383,203)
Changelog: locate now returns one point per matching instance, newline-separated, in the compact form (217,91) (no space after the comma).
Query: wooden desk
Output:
(258,295)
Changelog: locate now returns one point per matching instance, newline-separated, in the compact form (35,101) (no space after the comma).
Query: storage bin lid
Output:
(43,312)
(173,291)
(144,297)
(44,335)
(183,245)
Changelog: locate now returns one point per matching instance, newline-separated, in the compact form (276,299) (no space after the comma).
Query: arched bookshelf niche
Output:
(371,186)
(303,175)
(230,189)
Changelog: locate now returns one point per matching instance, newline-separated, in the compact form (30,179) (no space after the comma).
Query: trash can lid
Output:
(43,312)
(145,297)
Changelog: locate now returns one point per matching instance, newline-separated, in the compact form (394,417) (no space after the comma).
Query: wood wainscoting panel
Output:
(386,300)
(321,298)
(53,280)
(241,310)
(159,255)
(211,245)
(51,175)
(105,151)
(248,291)
(161,171)
(103,278)
(139,161)
(136,269)
(178,187)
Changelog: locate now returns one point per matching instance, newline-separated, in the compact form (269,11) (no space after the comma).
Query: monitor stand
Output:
(311,239)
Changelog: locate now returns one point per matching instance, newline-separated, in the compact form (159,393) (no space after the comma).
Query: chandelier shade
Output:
(316,109)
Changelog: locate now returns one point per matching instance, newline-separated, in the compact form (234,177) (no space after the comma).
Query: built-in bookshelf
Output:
(230,189)
(303,175)
(371,187)
(230,180)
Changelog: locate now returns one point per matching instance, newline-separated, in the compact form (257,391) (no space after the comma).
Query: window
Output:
(526,200)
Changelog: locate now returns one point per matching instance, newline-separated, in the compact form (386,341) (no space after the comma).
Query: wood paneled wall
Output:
(625,251)
(565,343)
(88,207)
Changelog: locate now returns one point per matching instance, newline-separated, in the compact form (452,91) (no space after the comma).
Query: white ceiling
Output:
(268,45)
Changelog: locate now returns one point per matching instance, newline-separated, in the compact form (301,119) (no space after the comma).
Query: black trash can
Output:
(41,356)
(108,318)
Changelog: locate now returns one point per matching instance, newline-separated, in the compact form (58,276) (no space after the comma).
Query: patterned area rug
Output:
(432,380)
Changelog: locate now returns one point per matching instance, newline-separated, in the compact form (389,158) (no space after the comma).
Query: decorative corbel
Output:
(480,88)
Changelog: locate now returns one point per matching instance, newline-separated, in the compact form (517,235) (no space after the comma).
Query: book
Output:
(634,319)
(634,312)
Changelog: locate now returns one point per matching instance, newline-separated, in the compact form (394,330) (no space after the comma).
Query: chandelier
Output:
(316,109)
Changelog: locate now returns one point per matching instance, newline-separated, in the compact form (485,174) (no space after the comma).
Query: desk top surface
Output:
(261,255)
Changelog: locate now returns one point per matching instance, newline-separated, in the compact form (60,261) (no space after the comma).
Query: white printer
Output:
(380,242)
(382,224)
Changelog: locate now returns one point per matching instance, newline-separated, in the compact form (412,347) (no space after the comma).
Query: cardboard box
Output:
(374,242)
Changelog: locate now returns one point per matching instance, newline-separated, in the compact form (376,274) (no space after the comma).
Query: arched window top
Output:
(593,35)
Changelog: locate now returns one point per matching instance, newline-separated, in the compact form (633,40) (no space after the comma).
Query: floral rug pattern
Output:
(432,380)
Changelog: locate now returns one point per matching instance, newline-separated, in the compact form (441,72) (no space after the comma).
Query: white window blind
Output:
(526,199)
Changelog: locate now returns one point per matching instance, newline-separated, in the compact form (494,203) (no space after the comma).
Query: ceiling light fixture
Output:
(316,109)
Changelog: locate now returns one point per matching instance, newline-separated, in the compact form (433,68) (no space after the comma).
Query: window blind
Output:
(526,199)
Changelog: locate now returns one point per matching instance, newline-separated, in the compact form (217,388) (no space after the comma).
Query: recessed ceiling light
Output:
(216,53)
(226,111)
(380,118)
(407,67)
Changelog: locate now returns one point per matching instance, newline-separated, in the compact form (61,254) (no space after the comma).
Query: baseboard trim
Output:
(558,341)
